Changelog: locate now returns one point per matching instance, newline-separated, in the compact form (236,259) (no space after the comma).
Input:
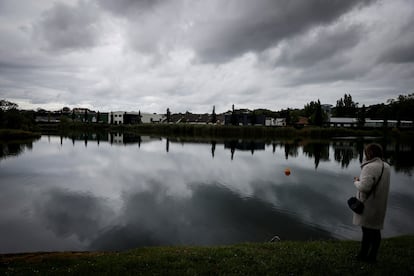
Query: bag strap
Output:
(376,184)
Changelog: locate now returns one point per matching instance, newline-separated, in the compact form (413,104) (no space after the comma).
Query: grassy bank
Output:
(280,258)
(16,134)
(213,131)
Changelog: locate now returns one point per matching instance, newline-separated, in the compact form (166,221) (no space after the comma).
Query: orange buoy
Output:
(287,171)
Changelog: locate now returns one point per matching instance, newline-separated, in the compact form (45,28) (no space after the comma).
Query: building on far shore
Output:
(150,118)
(369,123)
(277,122)
(130,118)
(244,117)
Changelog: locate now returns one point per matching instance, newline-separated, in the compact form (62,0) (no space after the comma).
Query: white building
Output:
(116,117)
(121,117)
(148,118)
(275,122)
(342,122)
(370,123)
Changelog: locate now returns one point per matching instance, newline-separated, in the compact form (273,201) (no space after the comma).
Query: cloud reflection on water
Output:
(101,197)
(212,215)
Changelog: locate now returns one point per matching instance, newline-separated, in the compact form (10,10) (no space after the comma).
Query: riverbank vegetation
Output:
(279,258)
(211,131)
(17,134)
(315,124)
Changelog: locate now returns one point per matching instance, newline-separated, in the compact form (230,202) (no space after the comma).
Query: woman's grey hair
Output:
(373,150)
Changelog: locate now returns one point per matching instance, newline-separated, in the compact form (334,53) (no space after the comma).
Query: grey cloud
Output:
(263,24)
(128,7)
(219,31)
(401,52)
(305,51)
(401,48)
(43,55)
(41,84)
(324,73)
(65,27)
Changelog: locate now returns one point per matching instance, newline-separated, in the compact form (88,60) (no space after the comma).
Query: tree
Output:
(86,115)
(168,115)
(339,108)
(253,118)
(313,111)
(12,117)
(286,114)
(233,119)
(309,109)
(361,116)
(403,107)
(139,117)
(345,107)
(213,115)
(318,114)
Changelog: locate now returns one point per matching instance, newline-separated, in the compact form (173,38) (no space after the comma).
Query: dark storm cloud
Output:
(401,52)
(66,27)
(125,7)
(219,31)
(90,52)
(400,49)
(263,24)
(323,44)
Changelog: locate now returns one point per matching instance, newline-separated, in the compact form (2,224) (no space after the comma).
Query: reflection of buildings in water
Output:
(397,154)
(116,138)
(125,139)
(112,138)
(86,137)
(243,146)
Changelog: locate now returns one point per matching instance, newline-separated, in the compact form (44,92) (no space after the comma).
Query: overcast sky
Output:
(189,55)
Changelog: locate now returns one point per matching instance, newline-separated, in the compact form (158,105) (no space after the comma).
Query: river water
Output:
(116,192)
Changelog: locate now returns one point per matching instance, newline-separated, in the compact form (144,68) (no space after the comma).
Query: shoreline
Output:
(17,134)
(224,131)
(330,257)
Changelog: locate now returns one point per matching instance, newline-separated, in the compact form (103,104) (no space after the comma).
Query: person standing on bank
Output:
(373,187)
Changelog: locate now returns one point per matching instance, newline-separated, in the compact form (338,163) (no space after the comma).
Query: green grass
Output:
(396,257)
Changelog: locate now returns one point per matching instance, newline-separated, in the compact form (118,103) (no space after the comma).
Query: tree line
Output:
(13,118)
(401,108)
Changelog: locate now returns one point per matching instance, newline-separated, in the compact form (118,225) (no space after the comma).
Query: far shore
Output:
(226,131)
(17,134)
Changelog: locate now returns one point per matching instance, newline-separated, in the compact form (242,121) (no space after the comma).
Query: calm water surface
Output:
(114,192)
